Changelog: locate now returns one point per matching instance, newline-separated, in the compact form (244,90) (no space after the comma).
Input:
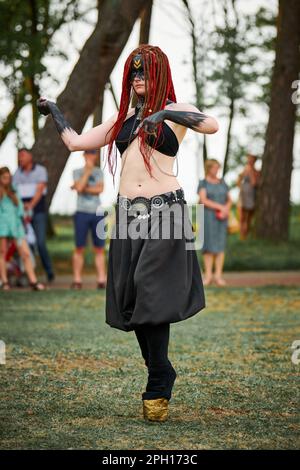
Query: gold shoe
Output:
(156,409)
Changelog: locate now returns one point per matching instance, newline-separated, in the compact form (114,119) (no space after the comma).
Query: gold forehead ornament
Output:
(137,63)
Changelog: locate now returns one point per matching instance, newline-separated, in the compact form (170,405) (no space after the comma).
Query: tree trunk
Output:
(10,122)
(228,139)
(274,190)
(97,119)
(33,89)
(88,78)
(144,34)
(196,67)
(113,94)
(145,24)
(204,148)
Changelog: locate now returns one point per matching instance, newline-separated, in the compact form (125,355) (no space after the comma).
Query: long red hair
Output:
(158,89)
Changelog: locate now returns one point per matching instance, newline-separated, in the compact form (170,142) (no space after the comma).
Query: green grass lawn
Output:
(72,381)
(249,255)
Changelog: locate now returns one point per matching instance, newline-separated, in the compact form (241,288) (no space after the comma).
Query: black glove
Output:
(43,106)
(46,107)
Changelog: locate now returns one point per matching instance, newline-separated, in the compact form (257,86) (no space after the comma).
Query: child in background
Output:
(12,227)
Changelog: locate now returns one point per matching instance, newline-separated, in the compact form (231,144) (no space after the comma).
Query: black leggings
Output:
(154,341)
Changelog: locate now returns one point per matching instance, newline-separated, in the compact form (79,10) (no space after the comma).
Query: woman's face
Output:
(5,179)
(138,85)
(251,160)
(137,75)
(214,170)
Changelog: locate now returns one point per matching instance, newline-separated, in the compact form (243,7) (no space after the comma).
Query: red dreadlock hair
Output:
(158,89)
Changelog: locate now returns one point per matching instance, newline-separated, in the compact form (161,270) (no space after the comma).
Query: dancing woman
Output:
(152,280)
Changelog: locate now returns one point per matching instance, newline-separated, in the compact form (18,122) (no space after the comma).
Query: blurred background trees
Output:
(26,33)
(240,63)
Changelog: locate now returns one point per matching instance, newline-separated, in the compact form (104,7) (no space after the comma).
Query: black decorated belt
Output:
(141,206)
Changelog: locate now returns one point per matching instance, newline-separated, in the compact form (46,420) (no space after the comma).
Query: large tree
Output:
(145,21)
(26,38)
(274,190)
(87,80)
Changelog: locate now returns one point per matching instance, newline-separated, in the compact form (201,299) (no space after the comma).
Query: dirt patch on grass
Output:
(241,412)
(63,363)
(227,412)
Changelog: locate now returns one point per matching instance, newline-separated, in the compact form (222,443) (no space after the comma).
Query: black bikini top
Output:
(167,143)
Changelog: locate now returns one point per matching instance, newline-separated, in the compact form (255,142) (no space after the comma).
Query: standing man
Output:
(31,180)
(88,182)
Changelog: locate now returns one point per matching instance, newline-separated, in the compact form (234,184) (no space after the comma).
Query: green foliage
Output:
(232,59)
(27,29)
(264,25)
(238,48)
(200,44)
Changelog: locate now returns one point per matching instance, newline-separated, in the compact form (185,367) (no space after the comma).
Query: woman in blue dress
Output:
(214,194)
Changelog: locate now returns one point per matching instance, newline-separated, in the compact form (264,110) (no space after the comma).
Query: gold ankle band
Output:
(156,409)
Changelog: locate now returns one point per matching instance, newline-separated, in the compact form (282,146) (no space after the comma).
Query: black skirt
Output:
(152,278)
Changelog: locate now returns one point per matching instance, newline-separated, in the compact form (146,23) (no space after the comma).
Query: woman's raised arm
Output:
(186,115)
(95,138)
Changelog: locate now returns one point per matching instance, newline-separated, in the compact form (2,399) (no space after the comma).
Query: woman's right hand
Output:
(43,106)
(224,211)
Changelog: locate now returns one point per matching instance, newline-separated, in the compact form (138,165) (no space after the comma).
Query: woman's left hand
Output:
(151,122)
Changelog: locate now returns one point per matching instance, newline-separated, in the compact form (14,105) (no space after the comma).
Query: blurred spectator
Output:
(247,182)
(88,182)
(12,227)
(214,194)
(31,181)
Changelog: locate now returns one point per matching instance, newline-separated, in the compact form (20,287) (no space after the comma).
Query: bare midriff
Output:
(135,179)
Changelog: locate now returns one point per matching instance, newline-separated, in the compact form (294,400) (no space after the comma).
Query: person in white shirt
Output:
(88,182)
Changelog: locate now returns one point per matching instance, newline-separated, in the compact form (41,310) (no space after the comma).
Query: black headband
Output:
(137,63)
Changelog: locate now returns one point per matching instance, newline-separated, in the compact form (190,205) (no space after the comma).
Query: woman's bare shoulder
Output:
(130,113)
